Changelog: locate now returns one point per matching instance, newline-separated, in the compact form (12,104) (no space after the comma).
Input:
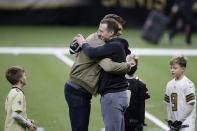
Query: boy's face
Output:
(131,62)
(23,80)
(176,70)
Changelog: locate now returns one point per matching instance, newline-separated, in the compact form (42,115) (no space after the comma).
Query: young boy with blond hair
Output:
(135,113)
(15,104)
(180,97)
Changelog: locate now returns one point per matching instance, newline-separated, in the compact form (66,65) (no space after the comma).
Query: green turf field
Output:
(46,75)
(61,36)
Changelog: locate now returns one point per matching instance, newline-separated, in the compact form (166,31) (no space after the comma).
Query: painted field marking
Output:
(137,51)
(61,52)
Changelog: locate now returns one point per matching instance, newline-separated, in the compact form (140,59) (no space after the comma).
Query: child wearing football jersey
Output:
(135,113)
(15,104)
(180,97)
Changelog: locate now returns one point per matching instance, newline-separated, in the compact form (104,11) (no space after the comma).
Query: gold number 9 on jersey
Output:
(174,101)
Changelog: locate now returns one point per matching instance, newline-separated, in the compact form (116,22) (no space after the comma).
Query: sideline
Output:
(137,51)
(64,59)
(156,121)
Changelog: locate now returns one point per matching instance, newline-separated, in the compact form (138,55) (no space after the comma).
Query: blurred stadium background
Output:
(53,23)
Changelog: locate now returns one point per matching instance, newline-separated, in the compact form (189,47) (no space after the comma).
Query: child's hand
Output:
(32,121)
(32,127)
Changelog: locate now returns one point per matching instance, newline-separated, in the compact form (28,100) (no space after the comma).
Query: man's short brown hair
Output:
(180,60)
(112,25)
(116,17)
(13,74)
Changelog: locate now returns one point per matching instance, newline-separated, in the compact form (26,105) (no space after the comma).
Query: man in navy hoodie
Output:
(114,99)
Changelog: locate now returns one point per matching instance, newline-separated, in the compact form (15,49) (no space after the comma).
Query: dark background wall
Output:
(83,12)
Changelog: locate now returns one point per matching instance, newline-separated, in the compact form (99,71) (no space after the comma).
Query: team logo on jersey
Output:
(19,102)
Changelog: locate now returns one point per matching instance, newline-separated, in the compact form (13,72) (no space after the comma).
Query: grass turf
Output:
(46,74)
(61,36)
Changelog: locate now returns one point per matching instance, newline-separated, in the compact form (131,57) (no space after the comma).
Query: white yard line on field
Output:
(33,50)
(138,51)
(164,52)
(61,52)
(102,129)
(156,121)
(64,58)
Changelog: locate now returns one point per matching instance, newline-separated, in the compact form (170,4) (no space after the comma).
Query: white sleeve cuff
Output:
(21,120)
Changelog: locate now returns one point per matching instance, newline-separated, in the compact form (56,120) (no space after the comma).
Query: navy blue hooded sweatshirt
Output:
(117,50)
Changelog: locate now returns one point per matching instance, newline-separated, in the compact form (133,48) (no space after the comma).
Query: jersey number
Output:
(174,101)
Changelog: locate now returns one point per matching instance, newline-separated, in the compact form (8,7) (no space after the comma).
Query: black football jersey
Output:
(135,113)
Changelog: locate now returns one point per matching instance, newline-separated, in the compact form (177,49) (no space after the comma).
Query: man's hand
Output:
(76,54)
(80,39)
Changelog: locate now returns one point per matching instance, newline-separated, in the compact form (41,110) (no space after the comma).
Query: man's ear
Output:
(112,33)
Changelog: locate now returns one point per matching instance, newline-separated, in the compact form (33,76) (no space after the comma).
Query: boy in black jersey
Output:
(135,113)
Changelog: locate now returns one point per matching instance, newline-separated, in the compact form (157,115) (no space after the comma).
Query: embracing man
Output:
(112,87)
(84,77)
